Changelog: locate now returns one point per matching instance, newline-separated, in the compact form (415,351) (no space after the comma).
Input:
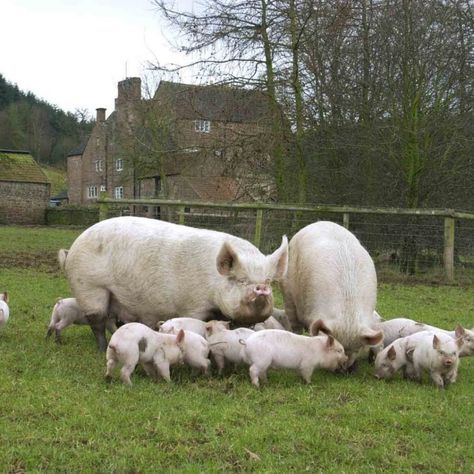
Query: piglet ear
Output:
(208,327)
(436,342)
(459,331)
(372,337)
(279,260)
(317,326)
(330,342)
(180,337)
(391,354)
(226,259)
(4,296)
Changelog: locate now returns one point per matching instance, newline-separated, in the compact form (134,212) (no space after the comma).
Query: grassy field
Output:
(58,414)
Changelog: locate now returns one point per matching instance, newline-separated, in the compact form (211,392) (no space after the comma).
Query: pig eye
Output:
(242,281)
(442,353)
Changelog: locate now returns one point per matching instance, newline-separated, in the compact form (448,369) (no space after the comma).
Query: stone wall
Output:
(23,203)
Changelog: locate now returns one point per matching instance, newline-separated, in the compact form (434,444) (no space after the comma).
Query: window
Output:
(119,165)
(118,192)
(98,165)
(92,192)
(102,188)
(157,185)
(202,126)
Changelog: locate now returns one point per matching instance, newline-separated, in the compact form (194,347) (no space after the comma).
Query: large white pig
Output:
(156,270)
(331,279)
(4,309)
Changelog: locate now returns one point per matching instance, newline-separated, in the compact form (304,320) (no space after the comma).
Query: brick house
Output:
(24,189)
(187,142)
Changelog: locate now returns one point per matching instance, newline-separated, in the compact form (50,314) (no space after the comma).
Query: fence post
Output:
(448,256)
(103,206)
(345,220)
(181,215)
(258,228)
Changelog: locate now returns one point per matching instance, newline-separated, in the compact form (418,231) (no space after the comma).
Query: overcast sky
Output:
(72,53)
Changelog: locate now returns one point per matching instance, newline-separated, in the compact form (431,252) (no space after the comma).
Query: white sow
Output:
(274,348)
(155,271)
(331,279)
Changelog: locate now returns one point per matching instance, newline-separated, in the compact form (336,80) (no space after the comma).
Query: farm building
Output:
(24,189)
(187,142)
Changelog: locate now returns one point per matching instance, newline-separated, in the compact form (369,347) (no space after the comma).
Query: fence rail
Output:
(249,219)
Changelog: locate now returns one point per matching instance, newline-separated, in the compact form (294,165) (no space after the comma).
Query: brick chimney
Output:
(100,115)
(129,90)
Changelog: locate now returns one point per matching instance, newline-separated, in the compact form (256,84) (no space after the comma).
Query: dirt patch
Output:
(44,261)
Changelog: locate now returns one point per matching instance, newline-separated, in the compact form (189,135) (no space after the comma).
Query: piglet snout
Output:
(448,362)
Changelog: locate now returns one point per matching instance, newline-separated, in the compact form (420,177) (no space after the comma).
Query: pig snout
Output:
(448,362)
(262,290)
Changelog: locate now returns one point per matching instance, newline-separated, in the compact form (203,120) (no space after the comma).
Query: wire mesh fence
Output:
(403,242)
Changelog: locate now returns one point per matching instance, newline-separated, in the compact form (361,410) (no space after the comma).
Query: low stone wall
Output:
(72,215)
(23,203)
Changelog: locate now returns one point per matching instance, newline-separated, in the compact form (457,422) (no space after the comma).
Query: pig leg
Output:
(127,371)
(220,362)
(151,370)
(163,369)
(97,324)
(451,377)
(110,325)
(254,375)
(58,327)
(437,379)
(111,364)
(306,372)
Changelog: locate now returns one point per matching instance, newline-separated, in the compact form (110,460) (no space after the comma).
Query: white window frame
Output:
(119,164)
(98,165)
(118,192)
(92,192)
(202,126)
(102,188)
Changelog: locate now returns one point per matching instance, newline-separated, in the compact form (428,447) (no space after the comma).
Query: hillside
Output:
(28,123)
(57,177)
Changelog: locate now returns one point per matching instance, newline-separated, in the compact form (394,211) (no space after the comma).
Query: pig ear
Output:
(391,354)
(279,259)
(436,342)
(460,342)
(317,326)
(208,327)
(409,353)
(226,259)
(459,331)
(330,341)
(5,296)
(180,337)
(371,337)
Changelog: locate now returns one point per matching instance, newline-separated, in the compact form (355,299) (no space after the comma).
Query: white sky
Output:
(72,53)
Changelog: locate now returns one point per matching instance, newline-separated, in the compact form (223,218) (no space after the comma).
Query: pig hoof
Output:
(108,379)
(353,368)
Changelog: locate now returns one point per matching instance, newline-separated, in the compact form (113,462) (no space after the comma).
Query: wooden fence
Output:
(182,209)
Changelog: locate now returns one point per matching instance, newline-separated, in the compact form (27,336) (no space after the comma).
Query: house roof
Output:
(20,166)
(78,150)
(214,102)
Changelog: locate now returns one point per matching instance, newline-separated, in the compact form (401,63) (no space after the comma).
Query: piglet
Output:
(437,354)
(135,343)
(4,310)
(195,350)
(67,312)
(188,324)
(225,344)
(274,348)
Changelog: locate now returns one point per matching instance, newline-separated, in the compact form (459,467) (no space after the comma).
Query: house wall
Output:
(23,203)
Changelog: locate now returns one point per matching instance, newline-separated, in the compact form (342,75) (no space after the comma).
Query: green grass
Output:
(58,414)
